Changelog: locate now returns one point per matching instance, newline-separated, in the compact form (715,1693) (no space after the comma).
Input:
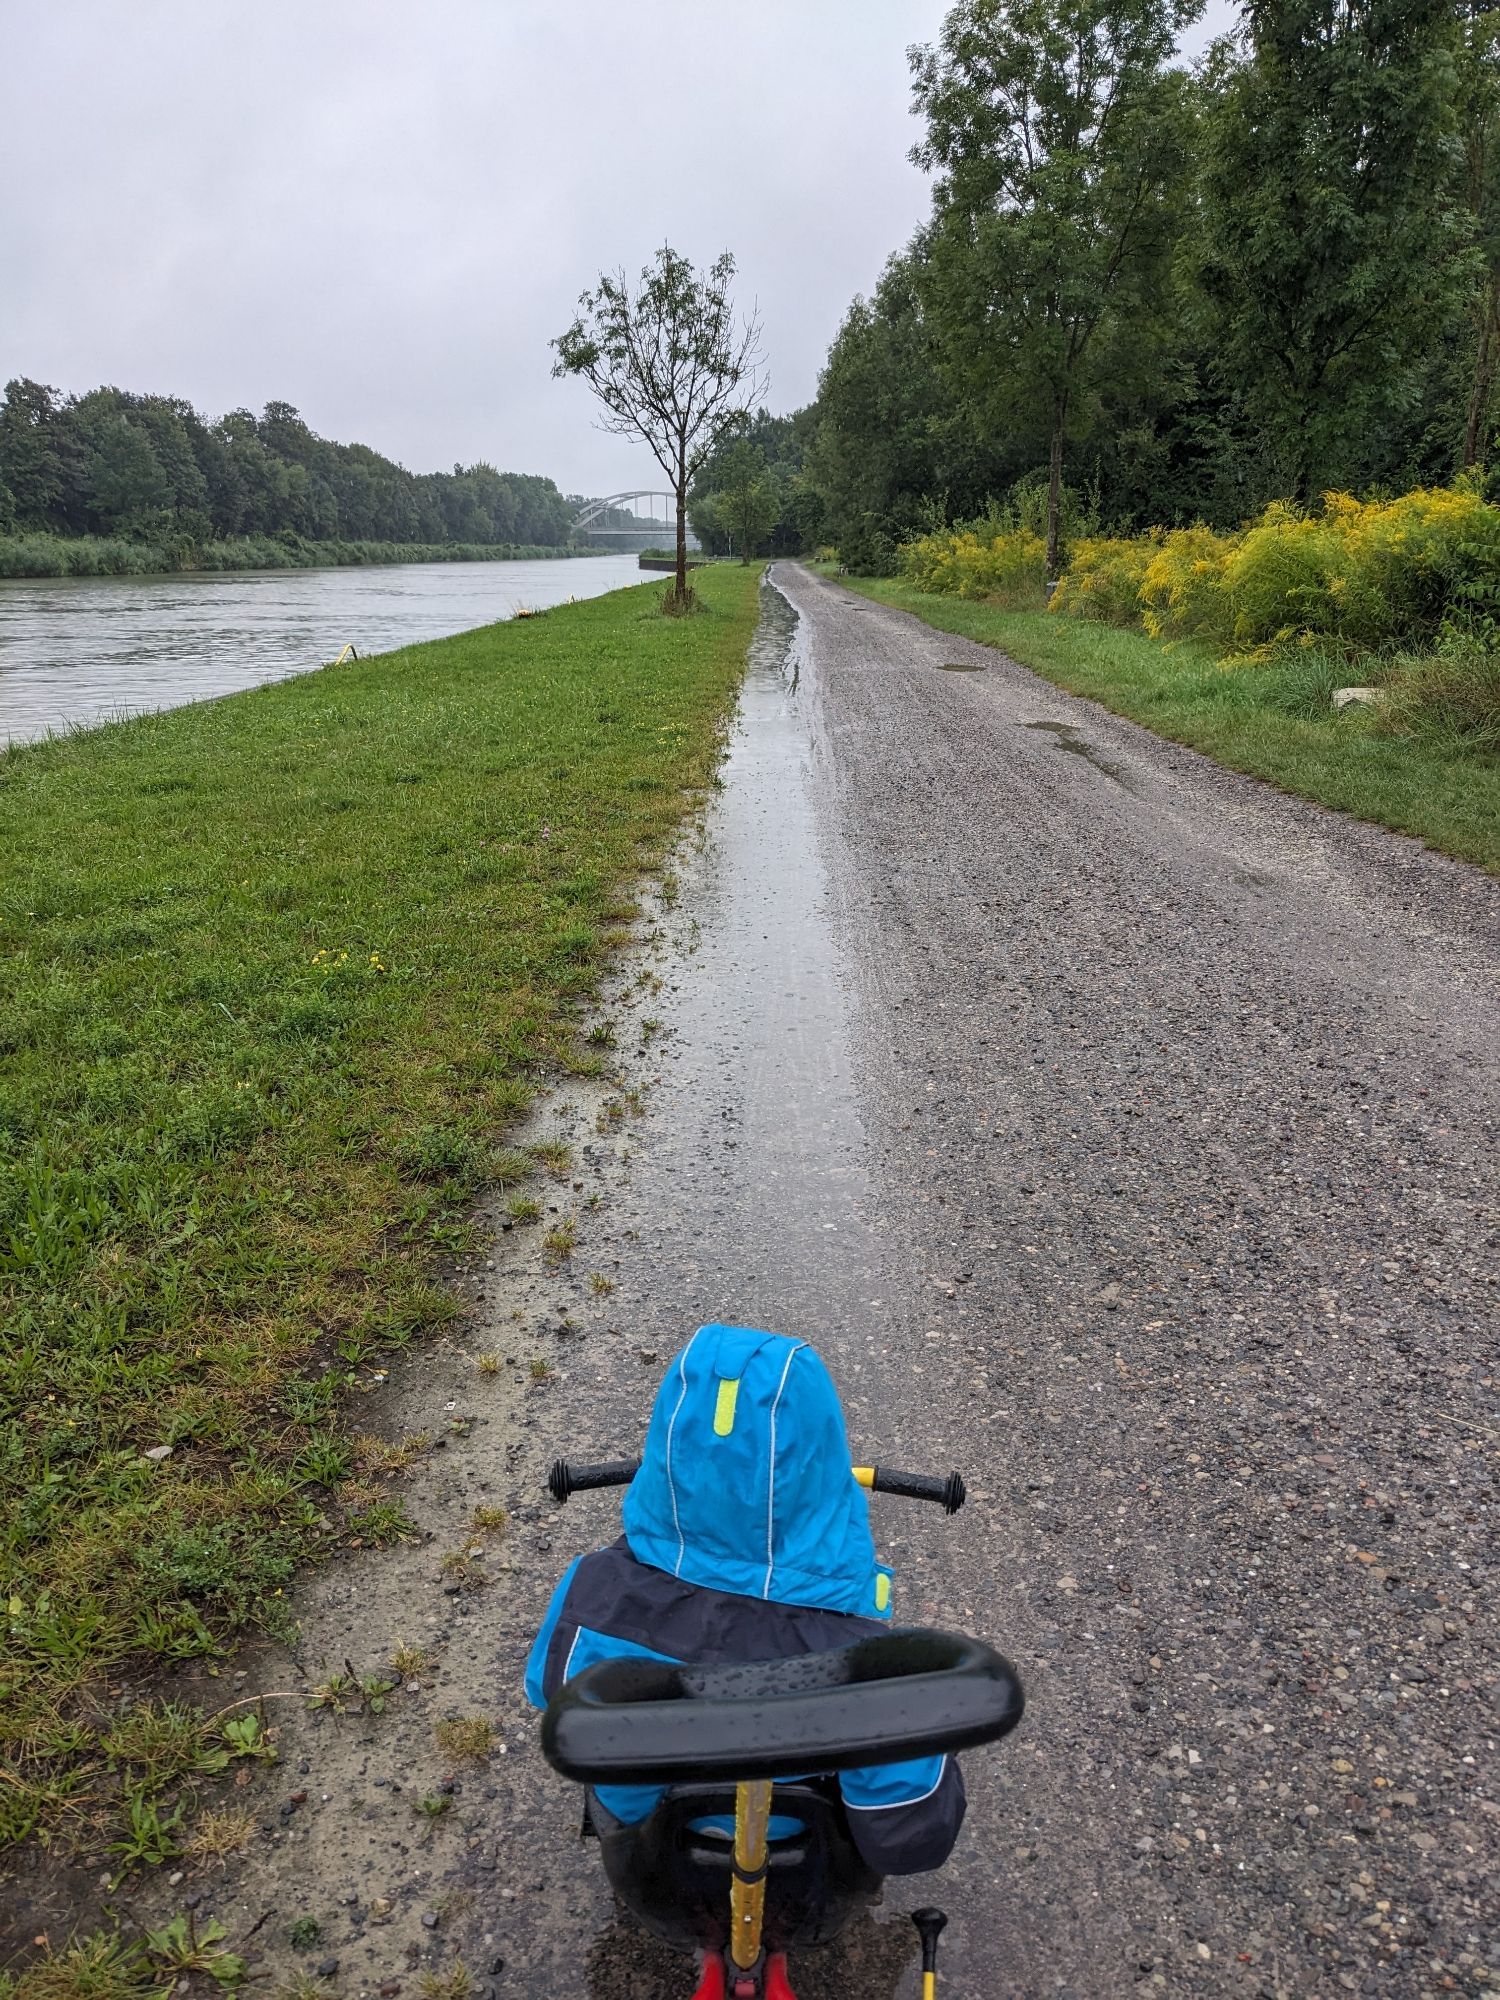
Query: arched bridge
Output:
(646,519)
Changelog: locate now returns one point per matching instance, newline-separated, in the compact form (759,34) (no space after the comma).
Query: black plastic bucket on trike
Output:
(676,1878)
(703,1730)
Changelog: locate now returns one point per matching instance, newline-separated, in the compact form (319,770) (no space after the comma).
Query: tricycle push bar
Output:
(880,1701)
(566,1478)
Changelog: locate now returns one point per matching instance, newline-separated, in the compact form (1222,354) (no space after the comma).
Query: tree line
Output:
(755,495)
(1148,293)
(117,464)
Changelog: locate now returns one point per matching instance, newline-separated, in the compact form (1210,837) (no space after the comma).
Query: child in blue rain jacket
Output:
(747,1538)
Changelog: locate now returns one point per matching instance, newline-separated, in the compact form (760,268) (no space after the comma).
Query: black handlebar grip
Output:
(565,1479)
(949,1493)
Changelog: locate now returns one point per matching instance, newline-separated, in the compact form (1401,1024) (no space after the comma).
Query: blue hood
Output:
(745,1483)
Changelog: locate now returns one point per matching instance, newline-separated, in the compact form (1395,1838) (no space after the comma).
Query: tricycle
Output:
(740,1861)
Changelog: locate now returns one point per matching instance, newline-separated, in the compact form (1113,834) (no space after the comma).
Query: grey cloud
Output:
(383,212)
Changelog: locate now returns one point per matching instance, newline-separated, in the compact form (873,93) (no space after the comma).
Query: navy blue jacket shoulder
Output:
(904,1817)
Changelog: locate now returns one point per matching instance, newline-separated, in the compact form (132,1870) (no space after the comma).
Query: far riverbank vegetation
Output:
(283,970)
(112,483)
(147,555)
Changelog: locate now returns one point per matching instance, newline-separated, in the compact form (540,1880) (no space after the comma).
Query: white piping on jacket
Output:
(771,1483)
(567,1672)
(672,1425)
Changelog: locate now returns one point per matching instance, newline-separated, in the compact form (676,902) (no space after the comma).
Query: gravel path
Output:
(1181,1095)
(1123,1134)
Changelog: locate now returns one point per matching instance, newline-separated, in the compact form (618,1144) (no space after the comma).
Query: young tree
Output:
(1331,237)
(747,499)
(670,364)
(1058,134)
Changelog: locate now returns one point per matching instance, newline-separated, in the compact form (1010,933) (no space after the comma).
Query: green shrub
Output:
(1299,679)
(1452,693)
(869,551)
(39,555)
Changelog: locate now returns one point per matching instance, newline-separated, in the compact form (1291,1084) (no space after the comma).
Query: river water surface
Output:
(76,652)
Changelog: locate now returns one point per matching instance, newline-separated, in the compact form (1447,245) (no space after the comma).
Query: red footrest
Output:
(711,1980)
(778,1986)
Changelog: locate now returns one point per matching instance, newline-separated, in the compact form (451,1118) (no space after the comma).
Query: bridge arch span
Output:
(591,512)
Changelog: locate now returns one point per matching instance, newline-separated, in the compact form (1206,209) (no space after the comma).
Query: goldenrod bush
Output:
(1355,576)
(1105,576)
(1182,592)
(1369,574)
(1292,573)
(1426,556)
(1007,564)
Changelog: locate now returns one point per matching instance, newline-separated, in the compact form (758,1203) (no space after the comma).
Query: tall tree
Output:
(795,504)
(1477,101)
(887,434)
(1331,246)
(127,487)
(1057,131)
(30,460)
(671,365)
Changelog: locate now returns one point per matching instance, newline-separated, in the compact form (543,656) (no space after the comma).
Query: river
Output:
(77,652)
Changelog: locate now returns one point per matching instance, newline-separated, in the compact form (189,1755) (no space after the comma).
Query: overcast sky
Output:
(382,211)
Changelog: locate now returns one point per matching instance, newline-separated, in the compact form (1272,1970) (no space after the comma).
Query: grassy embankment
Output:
(1272,721)
(41,555)
(275,973)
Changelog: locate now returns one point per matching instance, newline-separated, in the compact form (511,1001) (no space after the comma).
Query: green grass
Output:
(1274,722)
(276,973)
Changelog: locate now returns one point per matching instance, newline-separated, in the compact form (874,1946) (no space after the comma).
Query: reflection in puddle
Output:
(1069,739)
(774,648)
(762,1066)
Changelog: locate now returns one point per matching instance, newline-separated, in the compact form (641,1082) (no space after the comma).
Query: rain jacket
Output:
(746,1538)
